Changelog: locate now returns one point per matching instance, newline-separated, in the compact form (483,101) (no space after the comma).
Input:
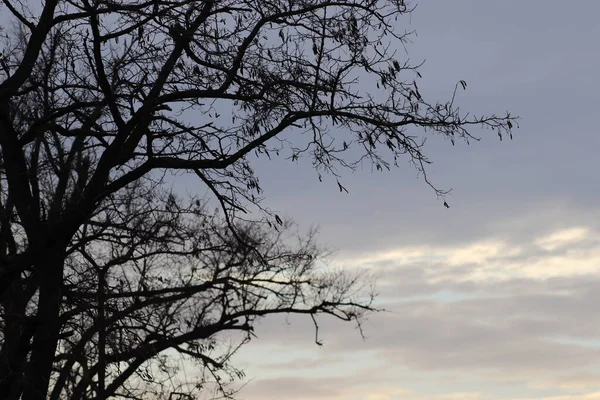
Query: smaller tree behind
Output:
(165,276)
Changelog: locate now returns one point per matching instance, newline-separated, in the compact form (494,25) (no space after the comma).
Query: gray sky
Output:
(497,297)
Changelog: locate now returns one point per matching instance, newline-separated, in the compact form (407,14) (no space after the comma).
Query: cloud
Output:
(564,252)
(485,311)
(580,381)
(351,387)
(460,396)
(563,238)
(587,396)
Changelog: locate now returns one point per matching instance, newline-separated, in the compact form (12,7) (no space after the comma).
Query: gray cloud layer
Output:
(507,336)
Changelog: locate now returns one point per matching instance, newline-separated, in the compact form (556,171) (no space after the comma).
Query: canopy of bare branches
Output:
(111,284)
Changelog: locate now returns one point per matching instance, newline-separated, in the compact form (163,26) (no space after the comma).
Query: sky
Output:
(497,297)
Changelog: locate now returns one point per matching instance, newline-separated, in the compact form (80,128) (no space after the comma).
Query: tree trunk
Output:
(45,339)
(17,334)
(101,336)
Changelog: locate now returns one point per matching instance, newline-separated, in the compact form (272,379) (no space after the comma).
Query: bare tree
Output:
(105,275)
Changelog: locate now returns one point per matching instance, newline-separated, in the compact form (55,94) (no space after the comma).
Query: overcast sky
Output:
(497,297)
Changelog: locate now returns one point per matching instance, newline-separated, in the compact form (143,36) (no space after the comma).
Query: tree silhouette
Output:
(106,275)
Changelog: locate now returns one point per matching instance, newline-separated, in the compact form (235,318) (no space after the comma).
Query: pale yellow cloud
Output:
(576,381)
(565,252)
(385,393)
(400,256)
(459,396)
(480,252)
(563,238)
(587,396)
